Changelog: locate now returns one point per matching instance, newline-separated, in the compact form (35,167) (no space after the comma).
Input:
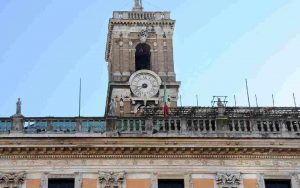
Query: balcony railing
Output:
(182,122)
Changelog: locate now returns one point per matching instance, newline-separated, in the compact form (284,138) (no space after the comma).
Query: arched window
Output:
(142,57)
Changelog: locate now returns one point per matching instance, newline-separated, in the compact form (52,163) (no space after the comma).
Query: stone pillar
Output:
(17,123)
(44,180)
(187,181)
(183,125)
(295,180)
(78,180)
(260,181)
(154,182)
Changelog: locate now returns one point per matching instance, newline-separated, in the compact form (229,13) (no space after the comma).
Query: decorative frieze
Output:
(111,179)
(12,179)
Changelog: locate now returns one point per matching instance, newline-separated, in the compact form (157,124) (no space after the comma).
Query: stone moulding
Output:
(231,179)
(12,179)
(148,152)
(111,179)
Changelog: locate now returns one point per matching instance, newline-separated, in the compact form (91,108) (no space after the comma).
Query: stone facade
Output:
(135,147)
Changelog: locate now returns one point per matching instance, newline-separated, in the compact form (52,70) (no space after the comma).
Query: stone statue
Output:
(137,5)
(112,107)
(121,105)
(18,106)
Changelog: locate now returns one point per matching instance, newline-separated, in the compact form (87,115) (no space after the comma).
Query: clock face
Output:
(144,83)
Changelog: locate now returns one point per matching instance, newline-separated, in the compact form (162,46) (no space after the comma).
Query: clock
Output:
(144,83)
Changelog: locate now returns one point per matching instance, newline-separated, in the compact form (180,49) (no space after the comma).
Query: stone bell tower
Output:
(139,52)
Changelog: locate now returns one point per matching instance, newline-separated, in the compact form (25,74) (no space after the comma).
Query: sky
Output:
(46,46)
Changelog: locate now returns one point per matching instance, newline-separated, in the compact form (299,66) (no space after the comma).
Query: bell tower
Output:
(139,53)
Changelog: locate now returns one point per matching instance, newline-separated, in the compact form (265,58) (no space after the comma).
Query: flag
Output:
(165,107)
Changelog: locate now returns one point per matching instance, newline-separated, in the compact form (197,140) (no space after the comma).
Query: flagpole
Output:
(180,101)
(234,101)
(248,93)
(294,100)
(256,100)
(79,104)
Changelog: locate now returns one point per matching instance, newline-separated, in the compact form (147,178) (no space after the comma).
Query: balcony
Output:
(198,122)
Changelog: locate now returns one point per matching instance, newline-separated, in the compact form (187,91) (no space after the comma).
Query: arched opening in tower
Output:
(142,57)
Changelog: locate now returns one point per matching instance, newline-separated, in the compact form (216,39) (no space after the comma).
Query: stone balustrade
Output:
(132,15)
(200,122)
(209,127)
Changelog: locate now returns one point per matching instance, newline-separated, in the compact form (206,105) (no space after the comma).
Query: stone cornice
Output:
(57,148)
(60,152)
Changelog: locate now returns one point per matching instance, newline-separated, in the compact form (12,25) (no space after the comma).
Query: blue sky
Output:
(47,45)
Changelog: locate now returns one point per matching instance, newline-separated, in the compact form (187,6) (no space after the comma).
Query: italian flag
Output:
(165,107)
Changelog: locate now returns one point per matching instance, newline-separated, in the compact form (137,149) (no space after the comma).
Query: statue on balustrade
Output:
(18,106)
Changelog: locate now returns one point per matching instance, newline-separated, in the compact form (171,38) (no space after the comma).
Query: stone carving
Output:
(143,35)
(12,179)
(121,104)
(111,179)
(18,107)
(228,179)
(112,109)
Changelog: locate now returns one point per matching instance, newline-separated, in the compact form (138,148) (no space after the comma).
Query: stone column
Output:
(187,181)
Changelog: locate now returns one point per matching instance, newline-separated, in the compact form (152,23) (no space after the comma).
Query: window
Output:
(170,183)
(277,184)
(142,57)
(61,183)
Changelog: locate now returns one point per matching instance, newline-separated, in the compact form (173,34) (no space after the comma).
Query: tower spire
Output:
(137,6)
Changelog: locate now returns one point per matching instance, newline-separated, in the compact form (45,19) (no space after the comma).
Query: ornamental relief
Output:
(12,179)
(228,179)
(111,179)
